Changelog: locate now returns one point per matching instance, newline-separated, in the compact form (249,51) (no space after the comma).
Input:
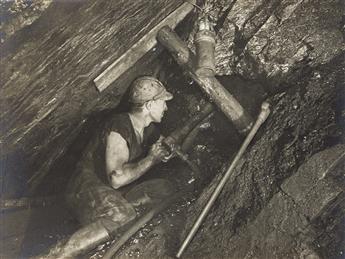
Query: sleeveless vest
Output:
(91,171)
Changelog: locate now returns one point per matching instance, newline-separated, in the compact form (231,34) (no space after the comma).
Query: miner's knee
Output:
(120,215)
(112,224)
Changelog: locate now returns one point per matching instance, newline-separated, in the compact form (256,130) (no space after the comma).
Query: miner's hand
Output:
(159,152)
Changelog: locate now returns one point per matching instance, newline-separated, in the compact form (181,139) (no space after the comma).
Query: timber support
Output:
(210,85)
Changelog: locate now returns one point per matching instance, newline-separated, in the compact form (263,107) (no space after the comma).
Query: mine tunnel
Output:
(68,67)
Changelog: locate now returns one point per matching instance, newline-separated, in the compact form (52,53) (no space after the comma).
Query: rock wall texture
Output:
(271,39)
(303,122)
(296,50)
(17,14)
(286,227)
(47,69)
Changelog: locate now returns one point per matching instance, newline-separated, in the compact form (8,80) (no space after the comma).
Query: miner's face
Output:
(157,109)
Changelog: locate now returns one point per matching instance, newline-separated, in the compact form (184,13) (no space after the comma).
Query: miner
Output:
(113,160)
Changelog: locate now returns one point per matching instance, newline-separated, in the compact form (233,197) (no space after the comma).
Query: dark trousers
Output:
(114,208)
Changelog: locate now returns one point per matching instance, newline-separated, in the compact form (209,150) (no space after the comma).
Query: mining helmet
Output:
(147,88)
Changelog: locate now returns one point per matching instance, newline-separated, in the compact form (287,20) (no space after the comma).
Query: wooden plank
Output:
(132,55)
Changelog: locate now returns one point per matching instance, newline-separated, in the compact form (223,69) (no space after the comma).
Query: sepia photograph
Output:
(172,129)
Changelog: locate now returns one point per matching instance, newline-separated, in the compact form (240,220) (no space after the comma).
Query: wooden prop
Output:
(210,85)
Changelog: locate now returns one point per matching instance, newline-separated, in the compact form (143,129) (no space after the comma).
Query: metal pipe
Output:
(205,41)
(261,119)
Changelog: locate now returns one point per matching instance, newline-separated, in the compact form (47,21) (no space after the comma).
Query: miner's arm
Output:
(120,172)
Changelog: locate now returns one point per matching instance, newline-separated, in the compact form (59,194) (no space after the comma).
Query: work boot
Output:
(82,241)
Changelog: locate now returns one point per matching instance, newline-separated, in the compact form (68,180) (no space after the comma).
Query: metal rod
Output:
(261,118)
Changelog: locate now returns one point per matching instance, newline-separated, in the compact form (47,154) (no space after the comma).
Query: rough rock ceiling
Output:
(46,85)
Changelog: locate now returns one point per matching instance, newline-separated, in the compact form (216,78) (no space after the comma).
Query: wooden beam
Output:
(210,85)
(132,55)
